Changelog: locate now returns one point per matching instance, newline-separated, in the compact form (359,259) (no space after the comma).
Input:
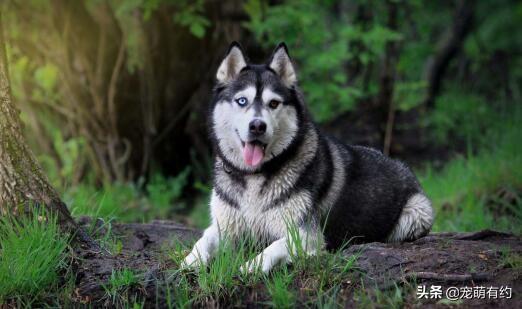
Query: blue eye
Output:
(242,101)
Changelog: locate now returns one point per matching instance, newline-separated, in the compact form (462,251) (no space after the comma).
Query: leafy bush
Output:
(160,198)
(320,44)
(161,191)
(461,116)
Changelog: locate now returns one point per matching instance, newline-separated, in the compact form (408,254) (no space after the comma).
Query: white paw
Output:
(249,267)
(257,264)
(193,261)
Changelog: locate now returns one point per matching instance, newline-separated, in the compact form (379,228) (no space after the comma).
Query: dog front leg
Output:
(271,256)
(309,243)
(203,249)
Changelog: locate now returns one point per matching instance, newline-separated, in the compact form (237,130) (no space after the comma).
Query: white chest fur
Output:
(264,207)
(259,210)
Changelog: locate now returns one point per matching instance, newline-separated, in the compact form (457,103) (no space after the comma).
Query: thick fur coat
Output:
(275,171)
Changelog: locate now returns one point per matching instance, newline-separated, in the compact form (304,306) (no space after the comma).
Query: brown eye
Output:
(273,104)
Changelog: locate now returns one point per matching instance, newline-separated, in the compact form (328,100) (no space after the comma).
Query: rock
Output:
(445,259)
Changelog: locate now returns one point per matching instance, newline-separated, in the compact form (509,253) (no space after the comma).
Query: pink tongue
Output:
(252,154)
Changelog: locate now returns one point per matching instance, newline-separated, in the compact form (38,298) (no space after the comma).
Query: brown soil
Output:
(445,259)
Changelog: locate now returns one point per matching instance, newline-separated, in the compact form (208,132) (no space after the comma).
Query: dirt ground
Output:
(461,260)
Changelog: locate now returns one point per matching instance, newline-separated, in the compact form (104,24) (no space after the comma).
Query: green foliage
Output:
(463,192)
(111,201)
(200,214)
(409,94)
(46,77)
(191,16)
(223,278)
(30,81)
(461,116)
(224,274)
(340,52)
(119,281)
(322,50)
(160,198)
(511,259)
(375,298)
(118,287)
(161,191)
(63,169)
(182,294)
(220,278)
(32,256)
(495,32)
(279,288)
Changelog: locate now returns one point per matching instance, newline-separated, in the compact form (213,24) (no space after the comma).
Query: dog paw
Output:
(248,268)
(192,261)
(255,265)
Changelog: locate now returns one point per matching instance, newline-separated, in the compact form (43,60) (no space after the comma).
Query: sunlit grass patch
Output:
(32,255)
(130,202)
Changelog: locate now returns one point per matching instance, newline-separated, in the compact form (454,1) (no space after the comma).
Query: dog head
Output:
(256,111)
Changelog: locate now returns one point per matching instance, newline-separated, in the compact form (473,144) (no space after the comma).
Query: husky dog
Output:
(274,168)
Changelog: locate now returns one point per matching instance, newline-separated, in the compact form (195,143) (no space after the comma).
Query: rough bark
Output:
(23,184)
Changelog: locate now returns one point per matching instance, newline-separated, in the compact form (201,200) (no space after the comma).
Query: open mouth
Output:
(253,152)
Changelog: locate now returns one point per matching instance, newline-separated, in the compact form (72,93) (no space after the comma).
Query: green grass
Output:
(511,259)
(279,288)
(376,298)
(200,215)
(118,286)
(32,256)
(482,189)
(182,294)
(223,280)
(129,202)
(223,275)
(469,192)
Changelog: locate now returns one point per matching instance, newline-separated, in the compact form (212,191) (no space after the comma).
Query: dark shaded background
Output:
(116,91)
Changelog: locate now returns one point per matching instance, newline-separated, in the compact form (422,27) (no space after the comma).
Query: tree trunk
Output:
(132,120)
(448,49)
(387,79)
(23,185)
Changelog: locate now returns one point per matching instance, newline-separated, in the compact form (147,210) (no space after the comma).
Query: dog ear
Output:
(281,63)
(232,64)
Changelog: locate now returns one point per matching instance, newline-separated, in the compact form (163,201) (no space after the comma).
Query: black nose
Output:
(257,127)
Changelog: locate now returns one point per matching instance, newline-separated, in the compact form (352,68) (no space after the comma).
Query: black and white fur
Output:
(305,178)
